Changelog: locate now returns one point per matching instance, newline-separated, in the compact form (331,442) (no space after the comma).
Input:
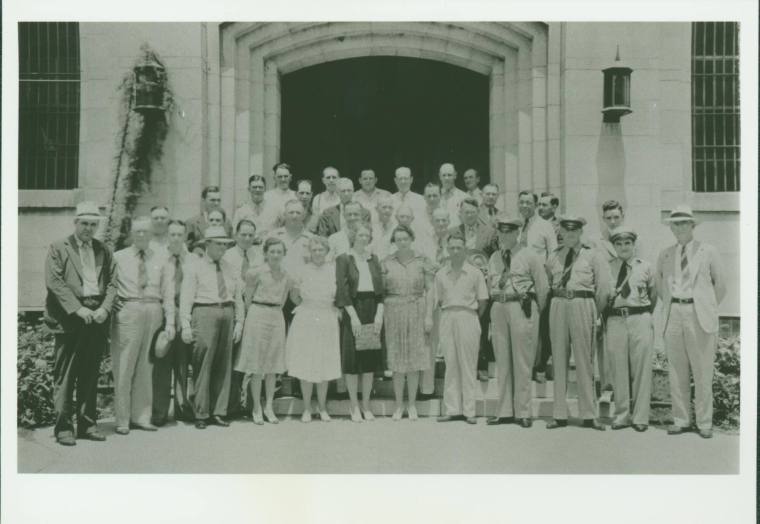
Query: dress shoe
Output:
(495,421)
(556,423)
(412,412)
(592,423)
(219,421)
(525,422)
(66,438)
(158,422)
(675,430)
(705,433)
(617,425)
(144,427)
(200,424)
(639,427)
(122,430)
(92,434)
(539,376)
(471,420)
(449,418)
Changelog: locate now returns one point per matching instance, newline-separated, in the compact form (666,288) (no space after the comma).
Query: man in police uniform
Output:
(518,288)
(579,279)
(630,333)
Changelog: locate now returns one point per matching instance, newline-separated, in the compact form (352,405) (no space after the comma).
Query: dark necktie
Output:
(246,264)
(506,258)
(622,280)
(177,274)
(685,274)
(142,272)
(491,211)
(524,234)
(220,285)
(567,268)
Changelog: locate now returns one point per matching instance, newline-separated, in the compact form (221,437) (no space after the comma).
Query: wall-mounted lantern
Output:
(617,90)
(149,86)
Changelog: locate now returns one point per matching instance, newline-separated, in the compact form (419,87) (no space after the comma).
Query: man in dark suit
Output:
(80,294)
(197,225)
(332,220)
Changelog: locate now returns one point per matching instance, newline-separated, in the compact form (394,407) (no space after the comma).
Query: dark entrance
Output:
(384,112)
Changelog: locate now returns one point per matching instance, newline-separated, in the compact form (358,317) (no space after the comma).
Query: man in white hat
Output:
(691,283)
(145,300)
(629,332)
(212,315)
(80,294)
(518,287)
(579,279)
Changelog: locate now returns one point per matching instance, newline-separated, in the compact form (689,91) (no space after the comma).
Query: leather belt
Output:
(92,301)
(266,304)
(571,294)
(503,298)
(628,311)
(135,299)
(682,300)
(404,298)
(229,303)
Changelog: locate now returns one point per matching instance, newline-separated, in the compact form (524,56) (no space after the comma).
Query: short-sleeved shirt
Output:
(406,278)
(277,197)
(297,249)
(585,273)
(264,215)
(640,280)
(463,288)
(269,289)
(539,235)
(526,272)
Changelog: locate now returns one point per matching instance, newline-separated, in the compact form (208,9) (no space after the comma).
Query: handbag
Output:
(367,338)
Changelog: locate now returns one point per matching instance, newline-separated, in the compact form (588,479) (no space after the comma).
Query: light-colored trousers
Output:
(690,348)
(459,337)
(514,339)
(572,323)
(212,359)
(132,331)
(427,383)
(630,345)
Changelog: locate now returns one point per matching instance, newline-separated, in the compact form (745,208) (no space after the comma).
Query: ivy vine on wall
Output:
(140,141)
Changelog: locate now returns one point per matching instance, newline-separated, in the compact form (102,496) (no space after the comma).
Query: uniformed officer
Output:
(518,288)
(630,332)
(579,279)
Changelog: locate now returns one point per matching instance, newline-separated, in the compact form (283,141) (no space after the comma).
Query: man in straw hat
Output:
(80,294)
(518,288)
(630,333)
(579,279)
(691,283)
(211,312)
(145,300)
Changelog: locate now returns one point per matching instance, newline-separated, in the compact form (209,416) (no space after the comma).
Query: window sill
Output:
(49,198)
(728,202)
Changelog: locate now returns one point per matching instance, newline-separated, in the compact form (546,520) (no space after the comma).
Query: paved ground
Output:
(382,446)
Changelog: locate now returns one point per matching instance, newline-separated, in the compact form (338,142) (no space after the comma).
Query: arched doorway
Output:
(383,112)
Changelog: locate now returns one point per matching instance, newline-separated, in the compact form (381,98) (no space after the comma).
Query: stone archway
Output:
(513,55)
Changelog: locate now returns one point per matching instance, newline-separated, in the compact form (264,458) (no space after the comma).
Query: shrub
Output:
(726,386)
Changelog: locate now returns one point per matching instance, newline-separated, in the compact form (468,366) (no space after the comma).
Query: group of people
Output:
(346,285)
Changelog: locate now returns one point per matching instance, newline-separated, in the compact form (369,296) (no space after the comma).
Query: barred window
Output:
(715,106)
(48,105)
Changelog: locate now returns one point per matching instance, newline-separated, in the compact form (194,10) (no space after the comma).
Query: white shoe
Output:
(368,415)
(306,416)
(356,415)
(412,410)
(398,414)
(324,417)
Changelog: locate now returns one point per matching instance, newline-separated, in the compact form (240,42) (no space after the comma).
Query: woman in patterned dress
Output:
(408,278)
(262,352)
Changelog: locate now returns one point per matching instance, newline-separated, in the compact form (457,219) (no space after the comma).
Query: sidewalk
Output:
(382,446)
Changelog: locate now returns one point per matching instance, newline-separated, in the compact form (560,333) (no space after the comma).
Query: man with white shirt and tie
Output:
(403,179)
(80,294)
(281,192)
(258,210)
(212,315)
(451,195)
(691,283)
(536,232)
(159,221)
(488,209)
(145,301)
(329,197)
(369,194)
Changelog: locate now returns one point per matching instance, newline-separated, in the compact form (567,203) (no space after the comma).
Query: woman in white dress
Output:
(313,345)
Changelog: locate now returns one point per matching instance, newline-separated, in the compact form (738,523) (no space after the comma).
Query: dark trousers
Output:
(544,342)
(78,353)
(485,353)
(176,360)
(212,359)
(235,404)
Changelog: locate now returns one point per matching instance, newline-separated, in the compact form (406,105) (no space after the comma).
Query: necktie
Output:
(685,274)
(177,274)
(246,264)
(491,211)
(506,258)
(524,234)
(221,287)
(622,274)
(568,266)
(142,272)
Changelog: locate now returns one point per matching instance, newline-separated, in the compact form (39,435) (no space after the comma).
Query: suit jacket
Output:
(708,282)
(63,279)
(329,220)
(196,229)
(347,278)
(486,238)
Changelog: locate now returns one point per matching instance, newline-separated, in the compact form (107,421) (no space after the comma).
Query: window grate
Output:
(715,106)
(49,89)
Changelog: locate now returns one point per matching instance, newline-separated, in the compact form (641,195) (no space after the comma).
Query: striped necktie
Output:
(142,272)
(685,274)
(506,258)
(177,274)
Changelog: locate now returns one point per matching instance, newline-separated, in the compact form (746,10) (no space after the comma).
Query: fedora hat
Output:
(88,209)
(217,233)
(682,213)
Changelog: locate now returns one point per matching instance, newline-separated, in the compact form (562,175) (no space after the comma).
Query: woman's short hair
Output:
(352,234)
(322,241)
(270,242)
(401,228)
